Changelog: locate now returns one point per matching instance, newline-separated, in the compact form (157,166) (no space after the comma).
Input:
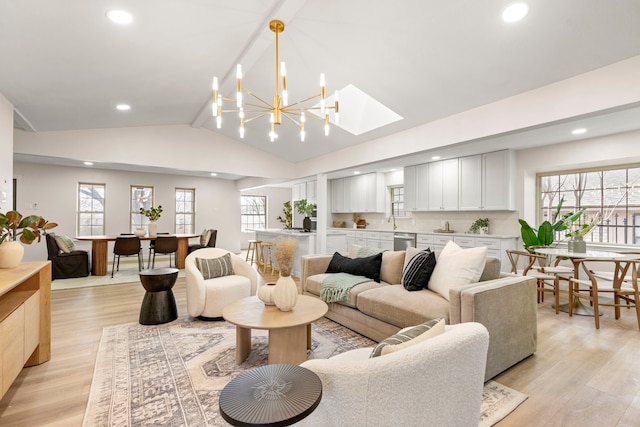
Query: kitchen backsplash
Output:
(501,223)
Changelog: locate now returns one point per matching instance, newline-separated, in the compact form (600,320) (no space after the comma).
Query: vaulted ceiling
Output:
(65,66)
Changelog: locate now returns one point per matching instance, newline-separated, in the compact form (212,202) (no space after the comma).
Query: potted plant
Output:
(480,225)
(153,214)
(576,242)
(15,228)
(287,220)
(305,208)
(545,234)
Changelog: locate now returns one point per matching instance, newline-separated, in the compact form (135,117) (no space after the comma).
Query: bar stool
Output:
(265,259)
(253,252)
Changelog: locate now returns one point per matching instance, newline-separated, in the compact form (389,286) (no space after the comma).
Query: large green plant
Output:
(14,226)
(287,220)
(544,235)
(305,208)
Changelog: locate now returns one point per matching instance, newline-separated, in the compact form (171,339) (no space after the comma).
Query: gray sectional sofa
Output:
(505,304)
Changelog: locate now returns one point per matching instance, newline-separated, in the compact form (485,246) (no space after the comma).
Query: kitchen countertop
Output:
(380,230)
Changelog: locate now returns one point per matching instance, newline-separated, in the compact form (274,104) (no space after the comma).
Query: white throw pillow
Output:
(456,267)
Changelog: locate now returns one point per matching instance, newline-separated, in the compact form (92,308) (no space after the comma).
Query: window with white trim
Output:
(91,209)
(253,213)
(397,201)
(185,210)
(141,197)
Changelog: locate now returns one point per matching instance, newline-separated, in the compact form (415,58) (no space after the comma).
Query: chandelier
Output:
(280,107)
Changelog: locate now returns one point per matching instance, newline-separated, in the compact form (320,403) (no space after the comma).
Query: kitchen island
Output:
(306,245)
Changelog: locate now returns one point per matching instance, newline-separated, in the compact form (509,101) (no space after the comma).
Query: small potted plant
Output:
(305,208)
(15,228)
(480,225)
(153,214)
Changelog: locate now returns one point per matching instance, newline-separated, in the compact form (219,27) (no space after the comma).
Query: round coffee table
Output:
(273,395)
(289,331)
(159,304)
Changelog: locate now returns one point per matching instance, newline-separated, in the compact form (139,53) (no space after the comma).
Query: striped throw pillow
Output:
(408,337)
(215,267)
(418,270)
(205,236)
(64,243)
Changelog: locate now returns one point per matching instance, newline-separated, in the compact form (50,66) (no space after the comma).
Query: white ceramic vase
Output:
(11,254)
(140,232)
(153,229)
(265,293)
(285,294)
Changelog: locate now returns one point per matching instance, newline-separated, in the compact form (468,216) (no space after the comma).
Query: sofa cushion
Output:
(215,267)
(313,284)
(418,270)
(457,266)
(64,243)
(391,268)
(367,266)
(396,306)
(409,337)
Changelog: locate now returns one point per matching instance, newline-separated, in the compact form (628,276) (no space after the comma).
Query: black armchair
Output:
(210,244)
(66,265)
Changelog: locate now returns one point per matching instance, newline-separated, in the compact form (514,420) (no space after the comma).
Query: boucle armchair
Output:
(437,382)
(207,298)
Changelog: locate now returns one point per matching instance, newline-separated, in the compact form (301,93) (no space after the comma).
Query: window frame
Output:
(136,219)
(244,228)
(577,184)
(80,213)
(392,202)
(186,214)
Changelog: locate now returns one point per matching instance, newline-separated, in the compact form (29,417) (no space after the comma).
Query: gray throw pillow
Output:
(215,267)
(64,243)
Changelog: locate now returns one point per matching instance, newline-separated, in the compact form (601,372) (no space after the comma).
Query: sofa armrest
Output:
(507,307)
(312,265)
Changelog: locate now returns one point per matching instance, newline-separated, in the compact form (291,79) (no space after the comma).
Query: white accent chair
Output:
(207,298)
(437,382)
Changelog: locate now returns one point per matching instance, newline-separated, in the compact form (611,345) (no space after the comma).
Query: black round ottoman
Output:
(159,304)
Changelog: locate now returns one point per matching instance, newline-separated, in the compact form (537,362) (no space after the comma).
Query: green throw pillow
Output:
(215,267)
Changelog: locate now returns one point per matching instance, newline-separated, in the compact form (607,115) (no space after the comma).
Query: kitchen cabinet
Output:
(487,181)
(443,185)
(416,192)
(311,191)
(304,190)
(360,194)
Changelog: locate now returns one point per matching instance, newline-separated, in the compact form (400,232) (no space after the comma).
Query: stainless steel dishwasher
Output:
(402,241)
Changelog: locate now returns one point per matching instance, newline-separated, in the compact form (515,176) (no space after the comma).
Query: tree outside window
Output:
(612,193)
(141,197)
(185,210)
(91,209)
(253,213)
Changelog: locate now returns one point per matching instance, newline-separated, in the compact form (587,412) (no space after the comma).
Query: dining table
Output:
(99,252)
(576,258)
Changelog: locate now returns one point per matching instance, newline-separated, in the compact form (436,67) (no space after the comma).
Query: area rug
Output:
(172,374)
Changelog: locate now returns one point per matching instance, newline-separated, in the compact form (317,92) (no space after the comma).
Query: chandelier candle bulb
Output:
(214,104)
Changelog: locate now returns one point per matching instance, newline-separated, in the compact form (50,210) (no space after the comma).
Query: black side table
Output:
(273,395)
(159,304)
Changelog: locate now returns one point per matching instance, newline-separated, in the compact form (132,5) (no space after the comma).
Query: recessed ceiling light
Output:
(88,163)
(435,158)
(578,131)
(119,16)
(515,12)
(214,174)
(356,172)
(123,107)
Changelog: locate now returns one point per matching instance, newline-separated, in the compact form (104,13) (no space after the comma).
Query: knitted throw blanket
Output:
(336,287)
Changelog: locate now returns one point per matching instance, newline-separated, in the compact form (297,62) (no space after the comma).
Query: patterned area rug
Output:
(172,374)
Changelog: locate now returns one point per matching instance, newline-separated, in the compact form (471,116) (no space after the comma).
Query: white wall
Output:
(6,160)
(54,190)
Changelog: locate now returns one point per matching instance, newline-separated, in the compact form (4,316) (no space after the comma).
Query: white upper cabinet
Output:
(443,185)
(361,193)
(487,181)
(416,191)
(311,191)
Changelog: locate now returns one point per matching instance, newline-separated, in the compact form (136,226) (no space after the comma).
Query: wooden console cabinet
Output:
(25,319)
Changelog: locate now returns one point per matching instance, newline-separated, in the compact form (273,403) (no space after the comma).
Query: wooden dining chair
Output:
(621,285)
(529,264)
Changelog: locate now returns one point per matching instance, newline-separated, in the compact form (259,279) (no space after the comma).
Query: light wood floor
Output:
(578,377)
